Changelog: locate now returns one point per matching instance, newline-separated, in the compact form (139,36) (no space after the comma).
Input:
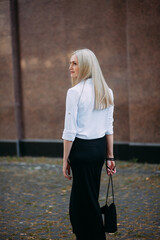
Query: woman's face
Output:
(73,66)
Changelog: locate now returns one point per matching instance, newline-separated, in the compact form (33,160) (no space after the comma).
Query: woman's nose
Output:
(70,66)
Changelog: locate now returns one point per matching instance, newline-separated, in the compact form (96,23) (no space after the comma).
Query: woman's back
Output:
(90,123)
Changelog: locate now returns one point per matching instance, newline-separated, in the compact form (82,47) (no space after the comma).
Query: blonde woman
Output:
(88,142)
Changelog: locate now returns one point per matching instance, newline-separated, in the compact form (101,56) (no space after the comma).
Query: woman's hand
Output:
(110,167)
(66,170)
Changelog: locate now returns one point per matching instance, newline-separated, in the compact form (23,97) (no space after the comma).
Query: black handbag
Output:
(110,214)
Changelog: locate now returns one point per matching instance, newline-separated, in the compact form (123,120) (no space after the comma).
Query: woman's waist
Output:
(86,136)
(82,138)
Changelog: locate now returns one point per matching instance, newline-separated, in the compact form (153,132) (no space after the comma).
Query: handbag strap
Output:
(110,181)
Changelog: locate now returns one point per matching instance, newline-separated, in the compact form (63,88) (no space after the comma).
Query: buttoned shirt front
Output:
(81,119)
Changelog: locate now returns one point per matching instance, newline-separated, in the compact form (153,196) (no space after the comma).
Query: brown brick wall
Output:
(7,117)
(144,70)
(123,34)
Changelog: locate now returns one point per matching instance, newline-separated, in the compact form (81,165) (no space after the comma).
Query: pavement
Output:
(34,199)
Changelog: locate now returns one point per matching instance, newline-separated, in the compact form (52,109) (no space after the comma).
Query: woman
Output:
(88,142)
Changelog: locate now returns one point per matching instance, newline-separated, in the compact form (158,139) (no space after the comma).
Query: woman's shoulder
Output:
(111,92)
(74,92)
(76,89)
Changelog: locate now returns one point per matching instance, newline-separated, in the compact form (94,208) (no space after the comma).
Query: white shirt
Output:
(81,119)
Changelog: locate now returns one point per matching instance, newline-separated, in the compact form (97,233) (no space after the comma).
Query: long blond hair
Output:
(89,68)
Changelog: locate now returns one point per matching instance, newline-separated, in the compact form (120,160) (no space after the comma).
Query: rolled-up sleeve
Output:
(70,124)
(110,118)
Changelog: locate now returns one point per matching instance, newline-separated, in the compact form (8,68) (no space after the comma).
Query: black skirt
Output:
(86,161)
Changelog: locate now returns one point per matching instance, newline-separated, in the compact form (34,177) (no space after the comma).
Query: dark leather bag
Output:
(110,214)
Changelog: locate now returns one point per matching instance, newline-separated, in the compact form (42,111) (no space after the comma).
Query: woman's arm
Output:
(70,128)
(66,150)
(110,164)
(109,141)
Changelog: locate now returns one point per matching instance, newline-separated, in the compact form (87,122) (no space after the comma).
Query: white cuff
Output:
(68,135)
(109,132)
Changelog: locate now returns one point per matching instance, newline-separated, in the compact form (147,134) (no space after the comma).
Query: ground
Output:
(34,198)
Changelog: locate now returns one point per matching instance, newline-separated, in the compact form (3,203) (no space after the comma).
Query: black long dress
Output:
(86,161)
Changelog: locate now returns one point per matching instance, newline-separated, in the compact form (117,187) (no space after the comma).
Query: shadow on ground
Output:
(34,198)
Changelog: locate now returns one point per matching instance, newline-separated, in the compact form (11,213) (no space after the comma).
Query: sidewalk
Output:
(34,198)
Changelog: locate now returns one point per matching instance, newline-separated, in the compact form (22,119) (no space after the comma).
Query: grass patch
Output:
(35,160)
(134,160)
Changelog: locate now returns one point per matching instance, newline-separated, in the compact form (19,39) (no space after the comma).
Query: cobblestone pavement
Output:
(34,198)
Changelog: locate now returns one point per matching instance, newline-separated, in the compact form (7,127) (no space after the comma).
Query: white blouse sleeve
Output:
(70,125)
(110,118)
